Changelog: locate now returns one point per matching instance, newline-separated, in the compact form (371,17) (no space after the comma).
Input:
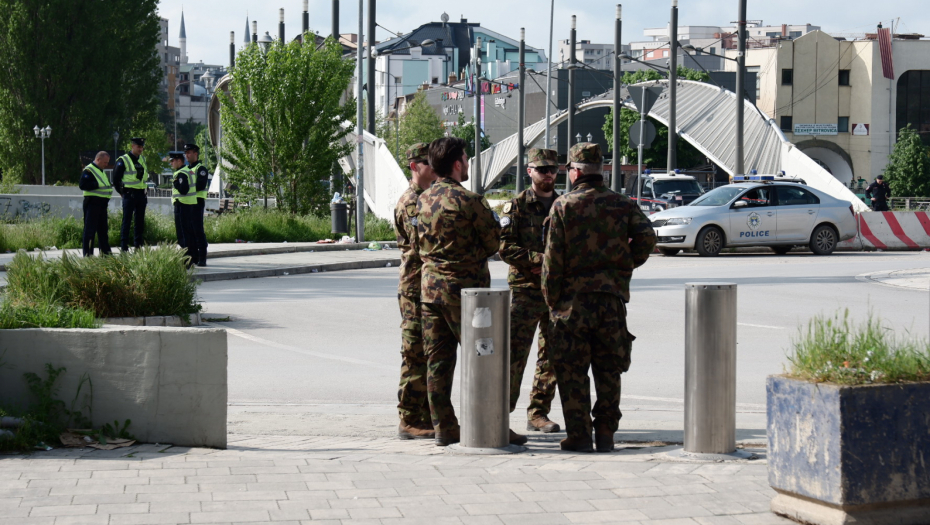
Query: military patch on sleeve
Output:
(505,221)
(411,210)
(508,207)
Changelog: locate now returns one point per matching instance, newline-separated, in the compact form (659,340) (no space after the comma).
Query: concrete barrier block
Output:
(173,320)
(155,321)
(171,382)
(124,321)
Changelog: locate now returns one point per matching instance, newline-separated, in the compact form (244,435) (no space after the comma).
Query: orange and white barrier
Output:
(887,230)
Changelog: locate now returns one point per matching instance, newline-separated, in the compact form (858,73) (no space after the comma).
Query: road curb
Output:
(294,270)
(245,252)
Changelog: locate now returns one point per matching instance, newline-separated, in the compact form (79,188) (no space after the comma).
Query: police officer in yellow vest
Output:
(129,180)
(97,192)
(202,176)
(184,197)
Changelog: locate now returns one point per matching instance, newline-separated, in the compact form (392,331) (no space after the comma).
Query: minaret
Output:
(182,40)
(247,39)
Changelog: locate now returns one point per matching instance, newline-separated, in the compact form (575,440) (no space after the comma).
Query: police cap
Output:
(138,141)
(191,147)
(176,155)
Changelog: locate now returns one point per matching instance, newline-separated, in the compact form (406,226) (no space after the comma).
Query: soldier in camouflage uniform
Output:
(595,239)
(412,403)
(457,233)
(522,247)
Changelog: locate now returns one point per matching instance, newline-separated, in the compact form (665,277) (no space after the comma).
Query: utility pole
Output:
(740,80)
(521,115)
(548,144)
(571,101)
(479,182)
(372,9)
(360,130)
(616,175)
(673,91)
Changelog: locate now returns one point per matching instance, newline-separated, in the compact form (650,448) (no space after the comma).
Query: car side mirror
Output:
(740,204)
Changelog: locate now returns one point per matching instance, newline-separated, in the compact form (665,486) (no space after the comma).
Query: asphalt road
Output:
(319,354)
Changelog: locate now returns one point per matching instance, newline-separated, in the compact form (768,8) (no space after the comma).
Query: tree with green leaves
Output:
(83,67)
(157,142)
(419,123)
(284,122)
(207,153)
(466,131)
(657,155)
(908,169)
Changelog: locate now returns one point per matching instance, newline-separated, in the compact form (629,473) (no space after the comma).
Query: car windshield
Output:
(681,186)
(718,197)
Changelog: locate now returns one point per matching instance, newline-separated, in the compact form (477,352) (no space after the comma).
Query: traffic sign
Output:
(645,97)
(649,134)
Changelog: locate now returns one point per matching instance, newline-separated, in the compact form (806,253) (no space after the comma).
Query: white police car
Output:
(756,211)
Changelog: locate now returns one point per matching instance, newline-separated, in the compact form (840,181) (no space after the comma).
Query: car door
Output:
(756,221)
(797,212)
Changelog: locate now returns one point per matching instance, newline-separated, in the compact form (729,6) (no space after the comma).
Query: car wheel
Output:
(781,250)
(669,252)
(709,242)
(823,240)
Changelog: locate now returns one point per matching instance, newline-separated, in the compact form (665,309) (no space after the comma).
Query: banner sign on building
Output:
(815,129)
(860,130)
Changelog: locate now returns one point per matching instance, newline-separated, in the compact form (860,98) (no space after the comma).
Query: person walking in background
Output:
(522,247)
(97,193)
(129,180)
(457,233)
(201,183)
(596,237)
(879,192)
(412,402)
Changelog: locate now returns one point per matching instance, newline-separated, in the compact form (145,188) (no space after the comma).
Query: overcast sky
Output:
(209,22)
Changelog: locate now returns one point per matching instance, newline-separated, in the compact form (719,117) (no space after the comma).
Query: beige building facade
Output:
(831,100)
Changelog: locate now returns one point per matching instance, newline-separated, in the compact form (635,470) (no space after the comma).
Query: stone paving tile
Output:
(631,503)
(63,510)
(95,519)
(536,519)
(27,521)
(240,516)
(175,506)
(663,512)
(430,511)
(304,505)
(523,507)
(122,508)
(605,516)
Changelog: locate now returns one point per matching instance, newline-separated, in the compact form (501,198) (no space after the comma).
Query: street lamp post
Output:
(615,183)
(176,111)
(571,97)
(396,116)
(115,148)
(479,181)
(673,91)
(43,133)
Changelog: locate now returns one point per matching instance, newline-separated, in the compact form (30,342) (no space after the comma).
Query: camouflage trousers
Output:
(412,403)
(594,336)
(527,310)
(442,333)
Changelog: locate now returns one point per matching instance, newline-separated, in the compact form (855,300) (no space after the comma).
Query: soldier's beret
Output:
(585,153)
(191,147)
(138,141)
(176,155)
(542,157)
(880,177)
(418,152)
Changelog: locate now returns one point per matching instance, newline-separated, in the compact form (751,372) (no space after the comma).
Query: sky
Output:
(209,22)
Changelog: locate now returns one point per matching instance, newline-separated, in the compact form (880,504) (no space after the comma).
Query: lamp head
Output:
(427,42)
(37,131)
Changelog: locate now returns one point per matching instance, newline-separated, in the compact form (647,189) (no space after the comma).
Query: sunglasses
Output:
(546,170)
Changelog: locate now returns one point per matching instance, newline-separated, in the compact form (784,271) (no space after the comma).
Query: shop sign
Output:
(815,129)
(860,130)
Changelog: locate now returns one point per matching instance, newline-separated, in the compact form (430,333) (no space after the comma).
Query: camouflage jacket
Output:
(457,233)
(596,238)
(522,243)
(405,226)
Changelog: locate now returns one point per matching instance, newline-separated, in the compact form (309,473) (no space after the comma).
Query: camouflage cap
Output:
(585,153)
(418,152)
(542,157)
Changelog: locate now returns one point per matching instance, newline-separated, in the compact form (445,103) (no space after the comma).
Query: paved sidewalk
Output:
(914,279)
(329,480)
(248,260)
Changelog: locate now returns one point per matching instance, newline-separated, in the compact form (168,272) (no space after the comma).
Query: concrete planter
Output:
(171,382)
(161,320)
(840,455)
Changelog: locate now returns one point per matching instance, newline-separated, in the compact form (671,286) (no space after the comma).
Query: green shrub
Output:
(44,315)
(836,350)
(150,281)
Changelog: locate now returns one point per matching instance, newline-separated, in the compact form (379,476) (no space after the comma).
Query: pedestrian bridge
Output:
(706,118)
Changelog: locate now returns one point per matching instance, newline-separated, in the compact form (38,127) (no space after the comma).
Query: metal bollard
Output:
(485,414)
(710,368)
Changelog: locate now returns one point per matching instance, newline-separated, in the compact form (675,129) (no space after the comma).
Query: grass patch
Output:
(45,315)
(150,281)
(257,225)
(838,350)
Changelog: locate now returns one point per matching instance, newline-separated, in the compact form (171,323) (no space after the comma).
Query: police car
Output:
(662,191)
(756,211)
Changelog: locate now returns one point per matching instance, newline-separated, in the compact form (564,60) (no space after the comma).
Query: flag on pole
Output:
(884,46)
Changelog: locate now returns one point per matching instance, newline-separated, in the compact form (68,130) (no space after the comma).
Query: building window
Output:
(787,77)
(844,77)
(713,51)
(913,106)
(650,54)
(787,124)
(842,125)
(664,54)
(794,34)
